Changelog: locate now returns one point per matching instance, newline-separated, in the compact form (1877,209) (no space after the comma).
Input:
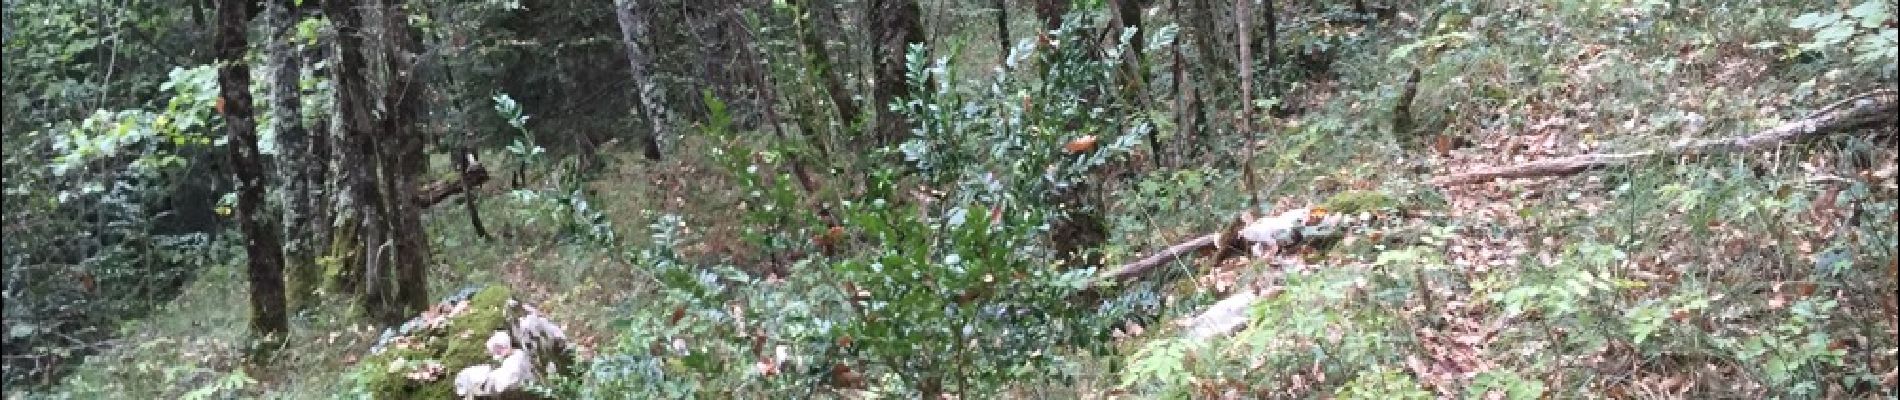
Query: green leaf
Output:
(1871,13)
(1834,34)
(1812,21)
(20,330)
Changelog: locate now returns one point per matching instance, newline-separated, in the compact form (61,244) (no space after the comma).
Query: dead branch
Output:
(1859,112)
(1130,271)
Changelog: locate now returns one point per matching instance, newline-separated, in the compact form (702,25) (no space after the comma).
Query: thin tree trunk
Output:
(1134,65)
(633,26)
(466,165)
(359,158)
(404,161)
(1002,31)
(1128,16)
(1183,126)
(269,321)
(293,170)
(1246,98)
(1272,38)
(895,27)
(1402,111)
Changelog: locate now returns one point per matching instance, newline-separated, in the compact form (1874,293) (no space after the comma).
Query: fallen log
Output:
(1866,110)
(437,191)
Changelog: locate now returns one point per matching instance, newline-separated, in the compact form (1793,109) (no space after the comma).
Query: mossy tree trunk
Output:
(295,171)
(367,229)
(269,322)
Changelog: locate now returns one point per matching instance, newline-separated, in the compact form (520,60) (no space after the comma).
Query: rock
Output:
(465,333)
(473,381)
(499,345)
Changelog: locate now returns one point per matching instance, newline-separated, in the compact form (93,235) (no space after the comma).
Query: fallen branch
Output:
(1130,271)
(434,192)
(1867,110)
(1289,228)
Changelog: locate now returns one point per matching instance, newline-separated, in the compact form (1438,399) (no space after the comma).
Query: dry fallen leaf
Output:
(1080,145)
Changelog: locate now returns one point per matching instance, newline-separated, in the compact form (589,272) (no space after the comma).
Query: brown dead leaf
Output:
(842,376)
(1080,145)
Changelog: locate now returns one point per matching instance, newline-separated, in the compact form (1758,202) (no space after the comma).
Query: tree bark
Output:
(317,171)
(1002,31)
(1270,42)
(1050,13)
(895,27)
(403,160)
(269,321)
(633,27)
(1246,99)
(360,159)
(820,63)
(1211,64)
(294,159)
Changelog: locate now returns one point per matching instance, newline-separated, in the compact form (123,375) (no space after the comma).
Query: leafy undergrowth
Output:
(1734,276)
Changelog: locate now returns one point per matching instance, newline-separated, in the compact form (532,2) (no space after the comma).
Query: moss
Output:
(1356,201)
(458,344)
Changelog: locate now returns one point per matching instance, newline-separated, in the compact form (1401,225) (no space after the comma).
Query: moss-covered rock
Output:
(420,359)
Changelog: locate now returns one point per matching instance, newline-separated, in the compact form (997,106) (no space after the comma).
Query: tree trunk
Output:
(1246,99)
(1050,13)
(1270,41)
(895,27)
(269,321)
(819,61)
(317,170)
(403,159)
(359,158)
(1002,31)
(1211,64)
(293,171)
(633,27)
